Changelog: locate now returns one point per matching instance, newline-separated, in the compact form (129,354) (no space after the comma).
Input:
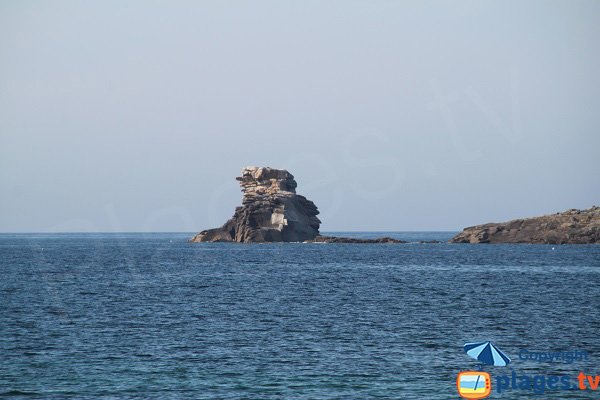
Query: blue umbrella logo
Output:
(487,353)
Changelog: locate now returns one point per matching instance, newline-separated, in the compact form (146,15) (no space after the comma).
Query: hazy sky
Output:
(392,115)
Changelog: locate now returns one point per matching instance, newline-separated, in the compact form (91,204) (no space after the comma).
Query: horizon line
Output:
(194,232)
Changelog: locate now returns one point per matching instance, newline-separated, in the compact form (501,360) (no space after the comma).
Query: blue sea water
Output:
(132,316)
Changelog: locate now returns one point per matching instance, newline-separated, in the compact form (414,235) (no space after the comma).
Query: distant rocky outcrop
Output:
(569,227)
(271,211)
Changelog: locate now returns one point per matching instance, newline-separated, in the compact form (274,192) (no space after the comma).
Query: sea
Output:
(152,316)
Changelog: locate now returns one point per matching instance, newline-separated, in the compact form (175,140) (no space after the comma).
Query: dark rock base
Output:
(334,239)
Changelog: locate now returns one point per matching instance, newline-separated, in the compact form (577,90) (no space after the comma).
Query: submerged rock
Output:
(569,227)
(271,211)
(335,239)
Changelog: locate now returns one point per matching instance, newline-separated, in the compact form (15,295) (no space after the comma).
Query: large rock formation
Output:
(271,211)
(569,227)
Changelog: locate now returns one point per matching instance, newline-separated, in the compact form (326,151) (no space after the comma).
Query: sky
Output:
(137,116)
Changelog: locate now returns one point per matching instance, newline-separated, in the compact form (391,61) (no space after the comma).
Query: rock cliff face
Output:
(569,227)
(271,211)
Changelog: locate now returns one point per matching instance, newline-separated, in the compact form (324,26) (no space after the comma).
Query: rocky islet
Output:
(569,227)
